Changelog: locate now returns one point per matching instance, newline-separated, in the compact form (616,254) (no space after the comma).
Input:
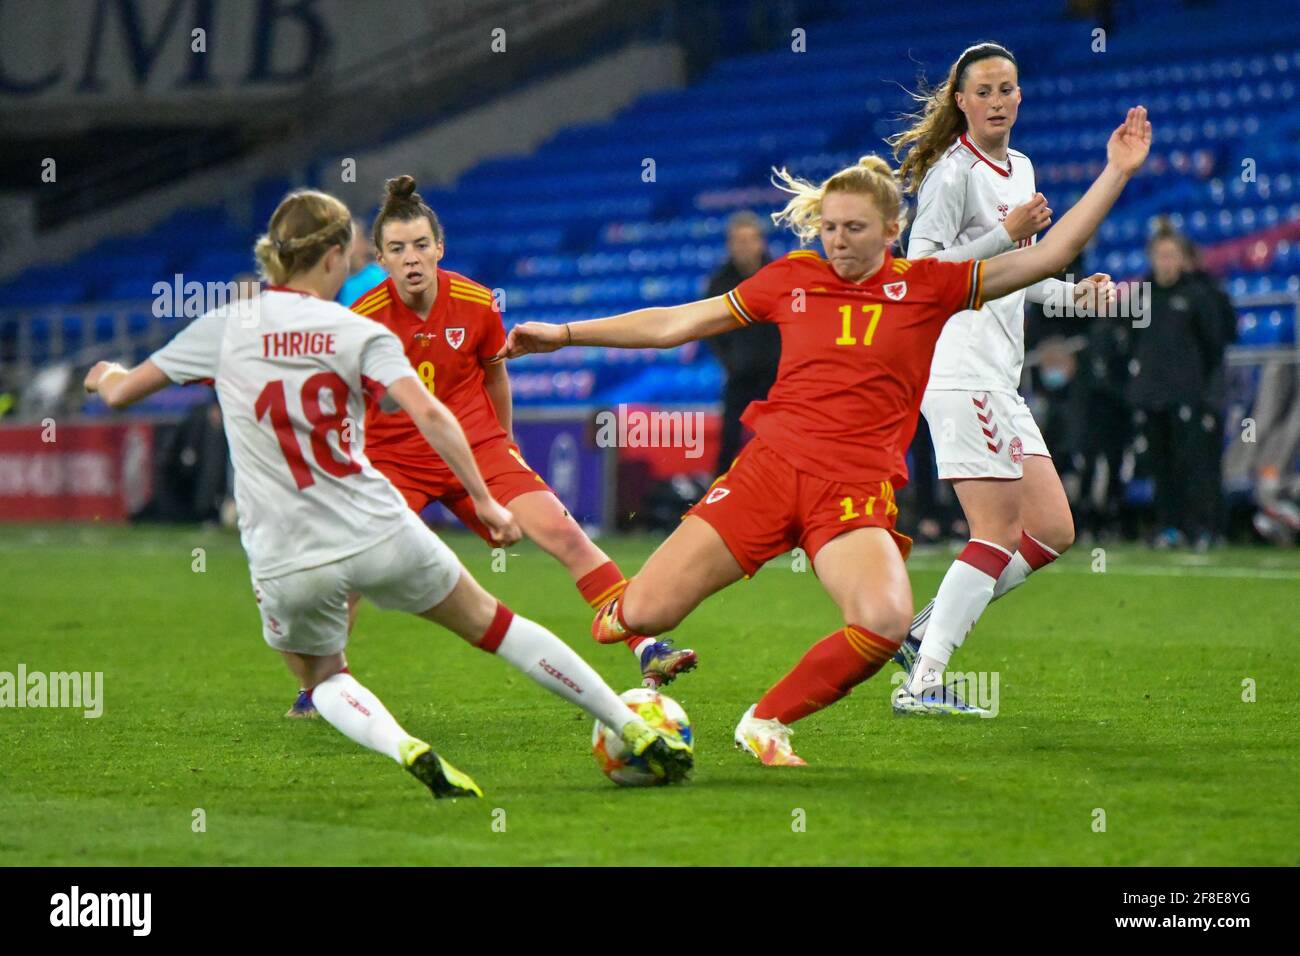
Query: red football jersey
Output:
(448,351)
(855,357)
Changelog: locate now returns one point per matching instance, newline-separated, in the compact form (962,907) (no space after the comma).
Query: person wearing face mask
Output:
(976,197)
(1175,364)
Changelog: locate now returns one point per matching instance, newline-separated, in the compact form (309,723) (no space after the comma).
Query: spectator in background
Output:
(749,355)
(364,272)
(1100,417)
(1176,363)
(1216,390)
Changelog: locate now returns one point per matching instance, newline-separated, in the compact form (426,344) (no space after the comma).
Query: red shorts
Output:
(763,506)
(505,473)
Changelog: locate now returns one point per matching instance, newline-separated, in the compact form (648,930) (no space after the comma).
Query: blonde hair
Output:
(939,122)
(302,229)
(871,176)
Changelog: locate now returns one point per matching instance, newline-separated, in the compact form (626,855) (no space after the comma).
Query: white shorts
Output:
(981,434)
(307,611)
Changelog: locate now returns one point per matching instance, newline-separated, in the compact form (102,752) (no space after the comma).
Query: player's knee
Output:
(1059,535)
(1064,535)
(890,617)
(1006,536)
(646,617)
(1062,538)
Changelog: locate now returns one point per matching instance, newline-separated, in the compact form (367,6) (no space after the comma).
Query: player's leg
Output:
(692,563)
(744,519)
(303,708)
(419,574)
(543,519)
(304,616)
(992,508)
(417,494)
(992,450)
(1046,531)
(863,572)
(1046,521)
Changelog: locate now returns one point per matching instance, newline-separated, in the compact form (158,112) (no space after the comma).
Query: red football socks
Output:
(601,585)
(831,668)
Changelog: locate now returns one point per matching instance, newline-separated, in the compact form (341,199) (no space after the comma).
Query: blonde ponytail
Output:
(871,176)
(302,229)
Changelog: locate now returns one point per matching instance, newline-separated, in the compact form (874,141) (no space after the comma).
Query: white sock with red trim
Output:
(963,595)
(546,659)
(359,715)
(1029,557)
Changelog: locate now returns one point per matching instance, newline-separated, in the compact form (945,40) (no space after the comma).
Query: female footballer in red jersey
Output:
(452,332)
(858,330)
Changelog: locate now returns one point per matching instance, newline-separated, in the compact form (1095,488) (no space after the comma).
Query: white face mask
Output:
(1054,379)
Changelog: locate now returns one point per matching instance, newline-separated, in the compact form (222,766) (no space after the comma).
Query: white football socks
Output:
(963,595)
(550,662)
(358,714)
(1014,575)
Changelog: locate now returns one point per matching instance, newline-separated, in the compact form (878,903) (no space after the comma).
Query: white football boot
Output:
(768,740)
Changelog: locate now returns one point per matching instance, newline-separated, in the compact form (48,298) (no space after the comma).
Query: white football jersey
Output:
(965,196)
(290,374)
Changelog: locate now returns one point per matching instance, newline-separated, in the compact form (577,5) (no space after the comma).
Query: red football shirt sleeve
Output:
(960,285)
(492,337)
(756,298)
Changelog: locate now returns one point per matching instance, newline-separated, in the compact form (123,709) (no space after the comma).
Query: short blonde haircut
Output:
(302,229)
(870,176)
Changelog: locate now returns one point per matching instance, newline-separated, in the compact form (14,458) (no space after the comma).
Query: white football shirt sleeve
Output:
(1050,290)
(193,354)
(382,359)
(940,205)
(940,210)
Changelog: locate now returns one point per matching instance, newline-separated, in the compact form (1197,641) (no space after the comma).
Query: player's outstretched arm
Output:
(120,387)
(441,430)
(1125,153)
(658,328)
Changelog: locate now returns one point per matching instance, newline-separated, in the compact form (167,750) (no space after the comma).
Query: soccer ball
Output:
(612,756)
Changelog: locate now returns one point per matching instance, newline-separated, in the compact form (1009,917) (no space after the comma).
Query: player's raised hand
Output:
(1131,141)
(1030,219)
(534,337)
(1095,295)
(500,522)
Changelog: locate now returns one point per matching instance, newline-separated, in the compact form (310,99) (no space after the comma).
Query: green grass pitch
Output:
(1119,691)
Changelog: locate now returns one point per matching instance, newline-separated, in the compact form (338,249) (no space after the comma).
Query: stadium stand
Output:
(595,221)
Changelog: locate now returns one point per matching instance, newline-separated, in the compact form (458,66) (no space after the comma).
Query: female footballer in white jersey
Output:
(319,522)
(977,198)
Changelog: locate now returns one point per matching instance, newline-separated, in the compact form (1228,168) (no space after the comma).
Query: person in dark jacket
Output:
(1176,391)
(1100,419)
(1216,393)
(749,355)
